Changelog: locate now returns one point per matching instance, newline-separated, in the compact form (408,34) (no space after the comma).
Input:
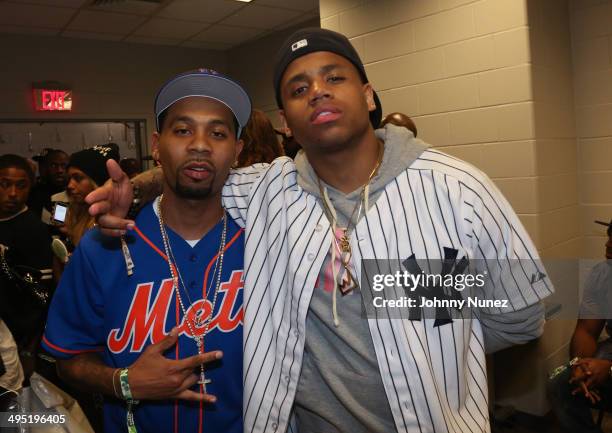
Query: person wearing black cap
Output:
(358,193)
(587,382)
(146,319)
(86,170)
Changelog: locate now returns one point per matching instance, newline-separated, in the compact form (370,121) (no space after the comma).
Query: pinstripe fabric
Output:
(434,377)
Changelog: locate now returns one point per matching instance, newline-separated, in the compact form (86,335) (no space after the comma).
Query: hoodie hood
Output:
(401,149)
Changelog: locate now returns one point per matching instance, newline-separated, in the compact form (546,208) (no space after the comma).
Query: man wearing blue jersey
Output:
(154,320)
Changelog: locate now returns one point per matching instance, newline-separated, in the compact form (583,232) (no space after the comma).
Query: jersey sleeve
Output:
(76,314)
(505,253)
(516,327)
(237,190)
(240,185)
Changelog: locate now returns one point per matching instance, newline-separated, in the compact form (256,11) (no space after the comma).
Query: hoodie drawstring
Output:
(364,199)
(332,210)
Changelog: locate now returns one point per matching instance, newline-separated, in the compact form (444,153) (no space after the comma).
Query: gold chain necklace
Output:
(176,277)
(344,245)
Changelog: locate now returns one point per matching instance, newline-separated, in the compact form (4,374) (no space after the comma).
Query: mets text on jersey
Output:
(147,321)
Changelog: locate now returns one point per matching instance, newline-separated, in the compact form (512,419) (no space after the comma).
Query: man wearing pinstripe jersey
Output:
(311,361)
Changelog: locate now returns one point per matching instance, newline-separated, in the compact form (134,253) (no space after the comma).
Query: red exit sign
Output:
(52,100)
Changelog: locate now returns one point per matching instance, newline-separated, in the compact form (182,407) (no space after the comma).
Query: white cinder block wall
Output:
(591,25)
(556,181)
(553,223)
(462,70)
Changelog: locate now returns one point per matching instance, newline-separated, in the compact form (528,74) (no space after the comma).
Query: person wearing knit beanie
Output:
(92,161)
(86,171)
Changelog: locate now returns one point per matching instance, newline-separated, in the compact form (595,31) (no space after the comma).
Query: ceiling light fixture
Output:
(244,1)
(108,2)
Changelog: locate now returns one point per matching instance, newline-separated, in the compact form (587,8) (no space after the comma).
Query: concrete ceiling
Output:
(205,24)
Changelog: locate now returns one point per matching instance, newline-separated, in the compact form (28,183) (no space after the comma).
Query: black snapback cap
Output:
(312,39)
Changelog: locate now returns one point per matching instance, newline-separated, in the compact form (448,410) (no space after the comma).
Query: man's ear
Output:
(286,129)
(239,147)
(155,146)
(369,95)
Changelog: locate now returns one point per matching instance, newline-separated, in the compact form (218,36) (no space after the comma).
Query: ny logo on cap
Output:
(299,44)
(208,71)
(102,150)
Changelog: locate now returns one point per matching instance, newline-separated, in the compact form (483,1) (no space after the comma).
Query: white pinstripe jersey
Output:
(434,377)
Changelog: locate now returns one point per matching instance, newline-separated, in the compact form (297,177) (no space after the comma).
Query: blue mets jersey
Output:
(99,308)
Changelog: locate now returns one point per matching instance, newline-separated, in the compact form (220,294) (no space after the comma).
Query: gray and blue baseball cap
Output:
(205,83)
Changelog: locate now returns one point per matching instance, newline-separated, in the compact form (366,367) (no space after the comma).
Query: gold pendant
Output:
(345,244)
